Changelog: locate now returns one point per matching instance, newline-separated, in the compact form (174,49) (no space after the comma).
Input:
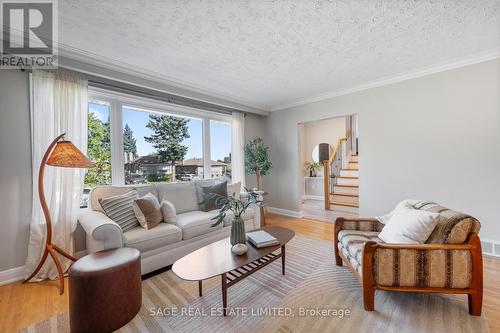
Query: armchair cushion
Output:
(351,244)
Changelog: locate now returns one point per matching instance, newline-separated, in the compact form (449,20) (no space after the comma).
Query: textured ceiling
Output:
(270,53)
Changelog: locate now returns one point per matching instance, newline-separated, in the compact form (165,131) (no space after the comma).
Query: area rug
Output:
(313,296)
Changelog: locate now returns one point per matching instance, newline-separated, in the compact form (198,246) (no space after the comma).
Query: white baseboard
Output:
(313,197)
(490,247)
(12,275)
(286,212)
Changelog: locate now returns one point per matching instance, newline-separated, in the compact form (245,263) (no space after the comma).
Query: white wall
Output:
(15,168)
(436,137)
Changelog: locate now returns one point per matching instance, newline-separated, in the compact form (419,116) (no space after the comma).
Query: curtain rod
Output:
(168,98)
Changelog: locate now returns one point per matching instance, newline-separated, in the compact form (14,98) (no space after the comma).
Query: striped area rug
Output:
(313,296)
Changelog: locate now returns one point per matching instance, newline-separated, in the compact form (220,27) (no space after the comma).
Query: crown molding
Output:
(471,60)
(168,84)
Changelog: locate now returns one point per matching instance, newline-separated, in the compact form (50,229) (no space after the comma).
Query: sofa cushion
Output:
(210,203)
(106,191)
(200,183)
(145,240)
(168,211)
(120,209)
(196,223)
(147,211)
(181,194)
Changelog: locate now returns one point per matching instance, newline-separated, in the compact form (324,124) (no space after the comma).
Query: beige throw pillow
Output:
(411,226)
(169,212)
(147,210)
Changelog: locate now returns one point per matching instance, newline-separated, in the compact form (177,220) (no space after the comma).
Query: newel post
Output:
(326,175)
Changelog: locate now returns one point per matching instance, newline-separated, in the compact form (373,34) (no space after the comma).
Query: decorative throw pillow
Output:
(169,212)
(210,204)
(120,209)
(147,210)
(234,189)
(411,226)
(408,203)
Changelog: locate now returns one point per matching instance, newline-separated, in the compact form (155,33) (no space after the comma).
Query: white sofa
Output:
(162,245)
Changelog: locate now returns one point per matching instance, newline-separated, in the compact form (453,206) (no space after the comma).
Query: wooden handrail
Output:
(326,170)
(335,151)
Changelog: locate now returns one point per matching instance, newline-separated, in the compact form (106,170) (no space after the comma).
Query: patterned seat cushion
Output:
(351,243)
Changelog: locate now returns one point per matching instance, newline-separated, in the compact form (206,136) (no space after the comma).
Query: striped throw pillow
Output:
(120,208)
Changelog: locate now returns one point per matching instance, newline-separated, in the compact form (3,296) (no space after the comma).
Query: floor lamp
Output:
(60,153)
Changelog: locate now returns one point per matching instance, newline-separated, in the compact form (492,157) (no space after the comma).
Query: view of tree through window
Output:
(99,145)
(160,147)
(98,148)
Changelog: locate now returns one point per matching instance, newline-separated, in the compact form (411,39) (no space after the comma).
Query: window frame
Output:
(118,100)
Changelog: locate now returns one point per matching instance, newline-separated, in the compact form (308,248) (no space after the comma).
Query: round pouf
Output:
(104,290)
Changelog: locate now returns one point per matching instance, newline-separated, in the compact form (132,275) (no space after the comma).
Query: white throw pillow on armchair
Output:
(411,226)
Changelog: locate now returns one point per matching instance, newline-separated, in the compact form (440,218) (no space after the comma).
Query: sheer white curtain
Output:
(58,104)
(238,146)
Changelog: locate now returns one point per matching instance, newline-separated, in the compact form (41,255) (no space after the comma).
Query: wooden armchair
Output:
(437,267)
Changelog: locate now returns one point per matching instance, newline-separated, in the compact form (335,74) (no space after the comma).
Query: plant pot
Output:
(238,231)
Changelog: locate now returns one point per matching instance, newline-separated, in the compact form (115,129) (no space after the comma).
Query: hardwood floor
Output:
(24,304)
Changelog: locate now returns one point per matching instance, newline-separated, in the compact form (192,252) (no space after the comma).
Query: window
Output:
(98,148)
(220,148)
(161,147)
(134,140)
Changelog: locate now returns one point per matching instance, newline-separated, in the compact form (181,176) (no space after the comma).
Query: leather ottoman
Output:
(104,290)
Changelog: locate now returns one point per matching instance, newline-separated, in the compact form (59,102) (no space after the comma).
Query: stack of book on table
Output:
(261,238)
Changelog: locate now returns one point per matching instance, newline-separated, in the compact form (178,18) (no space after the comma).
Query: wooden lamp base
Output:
(60,154)
(52,249)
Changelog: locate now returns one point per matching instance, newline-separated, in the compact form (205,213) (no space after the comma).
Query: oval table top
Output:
(216,258)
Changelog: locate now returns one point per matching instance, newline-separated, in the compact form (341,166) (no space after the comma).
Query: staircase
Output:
(341,176)
(344,189)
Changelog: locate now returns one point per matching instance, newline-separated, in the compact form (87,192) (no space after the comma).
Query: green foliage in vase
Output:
(312,166)
(231,203)
(257,159)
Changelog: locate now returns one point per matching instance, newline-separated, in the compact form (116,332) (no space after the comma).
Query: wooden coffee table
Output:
(217,259)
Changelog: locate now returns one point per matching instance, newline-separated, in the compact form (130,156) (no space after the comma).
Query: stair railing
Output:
(332,167)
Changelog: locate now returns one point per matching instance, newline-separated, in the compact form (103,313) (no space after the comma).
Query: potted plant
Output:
(312,167)
(237,206)
(257,159)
